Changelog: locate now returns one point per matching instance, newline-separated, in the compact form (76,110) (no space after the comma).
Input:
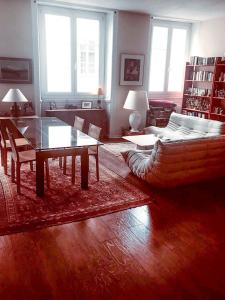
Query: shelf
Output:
(220,115)
(201,65)
(196,110)
(189,80)
(195,96)
(217,81)
(219,98)
(220,65)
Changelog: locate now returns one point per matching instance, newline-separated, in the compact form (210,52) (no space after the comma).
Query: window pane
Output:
(177,60)
(87,55)
(158,59)
(58,52)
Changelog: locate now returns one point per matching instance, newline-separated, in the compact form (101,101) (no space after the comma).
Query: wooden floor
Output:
(172,249)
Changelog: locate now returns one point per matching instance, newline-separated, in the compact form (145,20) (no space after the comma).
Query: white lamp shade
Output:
(14,95)
(137,100)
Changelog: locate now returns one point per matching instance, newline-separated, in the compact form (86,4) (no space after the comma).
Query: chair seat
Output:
(27,155)
(19,143)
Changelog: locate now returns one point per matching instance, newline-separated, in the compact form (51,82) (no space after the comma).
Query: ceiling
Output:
(193,10)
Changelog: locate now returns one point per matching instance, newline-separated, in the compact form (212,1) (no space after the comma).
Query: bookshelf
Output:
(204,88)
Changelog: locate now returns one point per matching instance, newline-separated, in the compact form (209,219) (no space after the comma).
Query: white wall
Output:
(208,38)
(15,41)
(132,37)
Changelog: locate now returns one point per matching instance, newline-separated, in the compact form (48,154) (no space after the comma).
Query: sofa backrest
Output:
(184,124)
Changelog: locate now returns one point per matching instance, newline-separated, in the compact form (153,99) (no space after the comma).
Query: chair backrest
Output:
(13,145)
(94,131)
(78,123)
(3,135)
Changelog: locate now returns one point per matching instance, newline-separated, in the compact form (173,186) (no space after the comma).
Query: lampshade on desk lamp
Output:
(137,101)
(15,96)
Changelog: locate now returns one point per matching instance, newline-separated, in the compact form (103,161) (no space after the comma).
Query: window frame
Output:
(170,25)
(73,14)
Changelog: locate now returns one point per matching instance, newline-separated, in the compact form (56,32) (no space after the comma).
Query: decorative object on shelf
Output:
(70,106)
(52,105)
(132,69)
(136,101)
(15,96)
(28,108)
(100,94)
(86,104)
(15,70)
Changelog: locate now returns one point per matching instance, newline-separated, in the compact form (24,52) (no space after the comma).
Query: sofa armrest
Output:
(154,130)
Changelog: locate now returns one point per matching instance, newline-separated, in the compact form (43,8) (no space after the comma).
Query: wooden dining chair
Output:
(79,125)
(20,157)
(5,146)
(95,132)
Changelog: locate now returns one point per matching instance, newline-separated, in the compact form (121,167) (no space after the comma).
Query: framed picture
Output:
(86,104)
(132,69)
(15,70)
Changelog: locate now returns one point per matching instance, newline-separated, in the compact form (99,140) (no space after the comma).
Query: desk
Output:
(51,137)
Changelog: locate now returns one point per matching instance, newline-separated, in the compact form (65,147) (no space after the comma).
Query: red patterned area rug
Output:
(65,202)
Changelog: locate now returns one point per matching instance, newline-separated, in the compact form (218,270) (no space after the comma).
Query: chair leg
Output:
(97,167)
(31,166)
(64,164)
(73,168)
(18,177)
(12,170)
(47,173)
(5,161)
(2,157)
(60,162)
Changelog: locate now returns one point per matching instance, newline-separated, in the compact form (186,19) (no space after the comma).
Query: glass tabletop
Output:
(47,133)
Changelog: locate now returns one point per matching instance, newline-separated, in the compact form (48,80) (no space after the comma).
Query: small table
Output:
(144,140)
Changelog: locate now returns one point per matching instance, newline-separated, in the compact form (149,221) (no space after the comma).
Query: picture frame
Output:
(132,69)
(15,70)
(86,104)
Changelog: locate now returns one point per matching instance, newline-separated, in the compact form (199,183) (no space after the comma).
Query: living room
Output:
(119,236)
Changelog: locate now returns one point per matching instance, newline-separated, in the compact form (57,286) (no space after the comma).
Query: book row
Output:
(194,114)
(201,75)
(197,60)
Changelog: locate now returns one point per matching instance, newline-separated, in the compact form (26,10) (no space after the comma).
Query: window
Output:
(168,56)
(72,52)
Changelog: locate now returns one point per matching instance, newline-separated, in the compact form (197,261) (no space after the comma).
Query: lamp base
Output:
(15,110)
(135,121)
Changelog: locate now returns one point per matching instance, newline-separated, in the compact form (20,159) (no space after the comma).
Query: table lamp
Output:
(100,93)
(136,101)
(15,96)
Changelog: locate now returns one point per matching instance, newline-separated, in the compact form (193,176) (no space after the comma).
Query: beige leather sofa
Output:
(195,152)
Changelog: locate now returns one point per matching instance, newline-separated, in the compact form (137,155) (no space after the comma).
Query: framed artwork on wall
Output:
(15,70)
(132,69)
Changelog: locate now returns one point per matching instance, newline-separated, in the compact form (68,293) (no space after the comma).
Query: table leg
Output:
(84,168)
(39,175)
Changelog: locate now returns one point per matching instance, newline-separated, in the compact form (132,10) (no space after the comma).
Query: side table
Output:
(126,132)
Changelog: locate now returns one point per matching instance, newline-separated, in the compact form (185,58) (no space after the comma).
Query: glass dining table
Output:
(51,137)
